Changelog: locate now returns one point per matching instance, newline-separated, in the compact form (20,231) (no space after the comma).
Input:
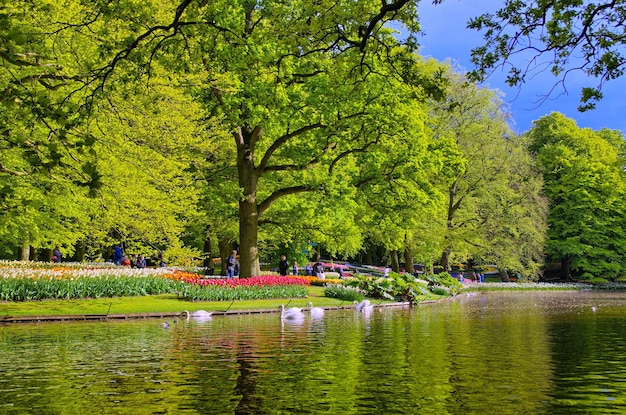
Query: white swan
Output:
(200,315)
(291,313)
(364,306)
(316,312)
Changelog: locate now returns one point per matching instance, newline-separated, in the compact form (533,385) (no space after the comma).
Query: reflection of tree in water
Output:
(246,382)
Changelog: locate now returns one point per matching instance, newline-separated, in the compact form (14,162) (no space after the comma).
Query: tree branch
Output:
(282,140)
(264,205)
(106,71)
(3,169)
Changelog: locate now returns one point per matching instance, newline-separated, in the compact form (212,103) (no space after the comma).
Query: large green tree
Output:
(489,183)
(294,100)
(584,180)
(46,166)
(395,178)
(88,165)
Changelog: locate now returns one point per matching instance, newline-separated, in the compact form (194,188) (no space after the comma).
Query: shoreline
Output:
(170,314)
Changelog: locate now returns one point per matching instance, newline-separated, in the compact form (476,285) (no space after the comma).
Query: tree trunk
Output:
(208,254)
(81,248)
(395,263)
(408,257)
(246,139)
(248,239)
(25,254)
(566,267)
(33,254)
(316,253)
(225,247)
(445,260)
(369,258)
(504,276)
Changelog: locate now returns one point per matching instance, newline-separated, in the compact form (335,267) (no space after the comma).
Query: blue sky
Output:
(446,37)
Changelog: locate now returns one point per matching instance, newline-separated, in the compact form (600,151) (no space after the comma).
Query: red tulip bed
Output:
(196,288)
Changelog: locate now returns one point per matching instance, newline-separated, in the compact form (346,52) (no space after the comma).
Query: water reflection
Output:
(544,353)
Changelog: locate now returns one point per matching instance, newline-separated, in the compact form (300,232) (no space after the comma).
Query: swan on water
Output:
(199,315)
(364,306)
(316,312)
(291,313)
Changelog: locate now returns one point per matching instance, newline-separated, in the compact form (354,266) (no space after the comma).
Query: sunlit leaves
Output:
(574,35)
(583,172)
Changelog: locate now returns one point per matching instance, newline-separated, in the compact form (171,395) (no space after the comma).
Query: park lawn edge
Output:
(164,303)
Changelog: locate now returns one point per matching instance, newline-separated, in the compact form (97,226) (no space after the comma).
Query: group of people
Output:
(317,269)
(119,258)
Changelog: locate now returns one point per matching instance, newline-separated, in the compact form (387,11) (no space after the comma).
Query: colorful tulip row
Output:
(261,281)
(19,283)
(68,273)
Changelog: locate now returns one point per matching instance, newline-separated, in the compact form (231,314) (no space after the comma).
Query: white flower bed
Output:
(24,269)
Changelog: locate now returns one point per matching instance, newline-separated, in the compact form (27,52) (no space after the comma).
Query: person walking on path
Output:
(283,265)
(117,254)
(230,264)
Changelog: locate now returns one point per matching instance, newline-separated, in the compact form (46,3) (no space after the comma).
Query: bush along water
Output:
(343,292)
(395,287)
(443,282)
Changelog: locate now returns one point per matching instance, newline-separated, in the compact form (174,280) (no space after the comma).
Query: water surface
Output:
(504,353)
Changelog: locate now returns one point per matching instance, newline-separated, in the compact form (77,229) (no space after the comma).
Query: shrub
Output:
(343,292)
(398,287)
(444,279)
(439,290)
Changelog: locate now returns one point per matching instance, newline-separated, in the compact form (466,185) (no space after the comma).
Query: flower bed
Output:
(254,288)
(25,289)
(71,281)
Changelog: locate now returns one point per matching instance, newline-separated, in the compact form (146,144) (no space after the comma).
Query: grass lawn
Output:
(152,304)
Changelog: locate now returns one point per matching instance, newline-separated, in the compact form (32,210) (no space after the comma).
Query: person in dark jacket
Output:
(117,254)
(283,265)
(56,254)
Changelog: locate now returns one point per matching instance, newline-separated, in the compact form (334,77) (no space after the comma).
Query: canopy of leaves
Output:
(584,181)
(488,183)
(562,35)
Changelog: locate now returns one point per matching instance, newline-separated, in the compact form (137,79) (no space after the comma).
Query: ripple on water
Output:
(504,353)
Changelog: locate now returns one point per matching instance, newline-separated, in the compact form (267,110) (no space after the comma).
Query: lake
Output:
(495,353)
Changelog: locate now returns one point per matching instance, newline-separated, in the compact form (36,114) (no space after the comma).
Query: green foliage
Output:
(493,210)
(397,287)
(439,290)
(589,31)
(342,292)
(166,125)
(28,289)
(584,181)
(443,279)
